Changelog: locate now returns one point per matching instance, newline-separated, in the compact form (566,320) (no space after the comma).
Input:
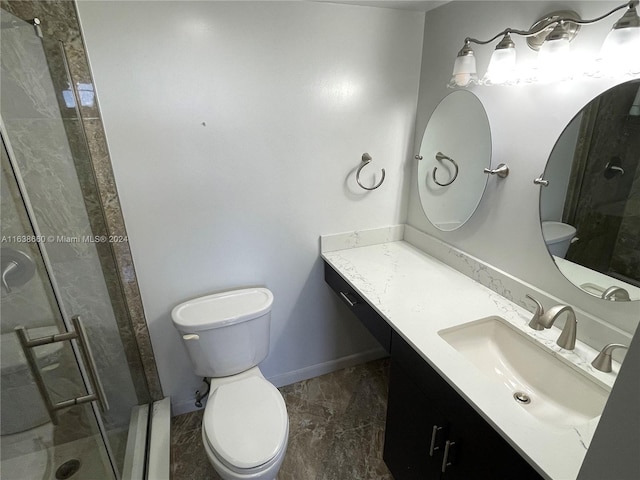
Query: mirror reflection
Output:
(455,149)
(590,211)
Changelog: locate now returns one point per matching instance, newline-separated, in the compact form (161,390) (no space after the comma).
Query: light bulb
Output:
(502,64)
(553,60)
(620,51)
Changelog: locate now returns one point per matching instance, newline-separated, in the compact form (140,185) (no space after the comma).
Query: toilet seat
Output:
(246,424)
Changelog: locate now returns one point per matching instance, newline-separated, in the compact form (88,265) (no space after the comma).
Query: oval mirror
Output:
(590,210)
(455,149)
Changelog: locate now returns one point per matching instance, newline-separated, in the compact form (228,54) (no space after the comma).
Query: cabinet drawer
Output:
(378,327)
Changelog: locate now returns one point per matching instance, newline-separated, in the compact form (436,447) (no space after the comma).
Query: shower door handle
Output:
(80,336)
(90,363)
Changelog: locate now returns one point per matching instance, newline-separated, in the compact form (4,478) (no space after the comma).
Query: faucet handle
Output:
(536,315)
(603,361)
(616,294)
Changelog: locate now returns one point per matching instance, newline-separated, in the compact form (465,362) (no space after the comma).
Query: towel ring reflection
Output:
(441,156)
(366,159)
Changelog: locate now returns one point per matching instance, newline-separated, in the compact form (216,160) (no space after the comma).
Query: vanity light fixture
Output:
(551,36)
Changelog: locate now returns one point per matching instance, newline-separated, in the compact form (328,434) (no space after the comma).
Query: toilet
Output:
(22,405)
(245,426)
(558,237)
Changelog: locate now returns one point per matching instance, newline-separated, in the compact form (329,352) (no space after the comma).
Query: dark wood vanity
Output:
(376,325)
(431,431)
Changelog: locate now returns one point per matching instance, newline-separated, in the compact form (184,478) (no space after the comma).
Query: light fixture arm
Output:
(556,21)
(631,4)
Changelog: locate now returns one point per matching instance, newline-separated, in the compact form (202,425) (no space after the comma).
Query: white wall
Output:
(235,129)
(525,124)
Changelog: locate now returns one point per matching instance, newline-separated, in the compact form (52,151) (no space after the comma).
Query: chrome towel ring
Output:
(366,159)
(440,157)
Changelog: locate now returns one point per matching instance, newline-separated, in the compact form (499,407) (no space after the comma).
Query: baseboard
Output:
(187,405)
(184,406)
(327,367)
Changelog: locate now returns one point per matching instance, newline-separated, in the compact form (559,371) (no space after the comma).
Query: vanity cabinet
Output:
(376,325)
(433,433)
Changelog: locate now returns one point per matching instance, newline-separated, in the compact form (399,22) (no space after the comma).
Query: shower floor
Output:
(31,455)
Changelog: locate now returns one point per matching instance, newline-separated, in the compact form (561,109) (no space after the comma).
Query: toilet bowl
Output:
(22,405)
(245,426)
(557,236)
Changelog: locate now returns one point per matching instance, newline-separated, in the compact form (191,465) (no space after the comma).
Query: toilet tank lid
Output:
(222,309)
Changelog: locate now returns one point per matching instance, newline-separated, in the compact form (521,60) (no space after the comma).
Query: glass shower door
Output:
(32,446)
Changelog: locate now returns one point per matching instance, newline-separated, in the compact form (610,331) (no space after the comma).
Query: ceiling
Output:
(416,5)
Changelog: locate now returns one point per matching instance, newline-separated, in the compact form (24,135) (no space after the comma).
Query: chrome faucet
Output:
(603,361)
(567,338)
(617,294)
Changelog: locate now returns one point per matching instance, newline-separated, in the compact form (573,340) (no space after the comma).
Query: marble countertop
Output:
(419,296)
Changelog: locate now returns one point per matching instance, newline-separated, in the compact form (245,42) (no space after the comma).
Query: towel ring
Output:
(366,159)
(440,156)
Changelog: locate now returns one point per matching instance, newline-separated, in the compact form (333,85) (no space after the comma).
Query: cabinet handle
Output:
(350,302)
(434,435)
(445,459)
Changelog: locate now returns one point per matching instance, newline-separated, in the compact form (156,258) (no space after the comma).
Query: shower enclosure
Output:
(69,387)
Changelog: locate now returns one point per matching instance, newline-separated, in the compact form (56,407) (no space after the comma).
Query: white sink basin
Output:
(557,394)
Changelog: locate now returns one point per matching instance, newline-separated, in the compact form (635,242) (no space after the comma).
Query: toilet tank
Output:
(226,333)
(558,237)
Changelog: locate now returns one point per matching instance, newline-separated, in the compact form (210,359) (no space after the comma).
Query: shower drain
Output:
(68,469)
(522,397)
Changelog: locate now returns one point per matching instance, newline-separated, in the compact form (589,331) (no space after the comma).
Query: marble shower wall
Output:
(98,279)
(33,300)
(606,209)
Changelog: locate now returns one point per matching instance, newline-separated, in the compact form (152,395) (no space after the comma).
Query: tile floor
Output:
(336,429)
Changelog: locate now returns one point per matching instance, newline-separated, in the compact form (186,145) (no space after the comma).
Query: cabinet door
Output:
(415,431)
(476,450)
(480,452)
